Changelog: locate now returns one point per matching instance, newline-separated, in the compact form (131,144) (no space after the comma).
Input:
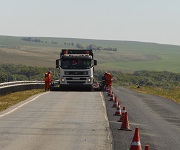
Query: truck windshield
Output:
(76,63)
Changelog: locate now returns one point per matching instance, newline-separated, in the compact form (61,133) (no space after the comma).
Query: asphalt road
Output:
(158,120)
(78,120)
(57,120)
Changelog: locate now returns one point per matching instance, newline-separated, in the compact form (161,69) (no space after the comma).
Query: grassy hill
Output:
(129,57)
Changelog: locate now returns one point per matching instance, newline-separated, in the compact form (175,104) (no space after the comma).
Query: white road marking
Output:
(21,105)
(106,118)
(104,105)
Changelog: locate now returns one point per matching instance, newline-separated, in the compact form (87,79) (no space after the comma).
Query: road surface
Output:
(56,120)
(78,120)
(158,120)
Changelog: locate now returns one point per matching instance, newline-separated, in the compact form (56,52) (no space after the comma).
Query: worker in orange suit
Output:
(108,80)
(47,80)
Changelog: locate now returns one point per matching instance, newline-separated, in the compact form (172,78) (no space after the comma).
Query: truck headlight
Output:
(62,80)
(89,80)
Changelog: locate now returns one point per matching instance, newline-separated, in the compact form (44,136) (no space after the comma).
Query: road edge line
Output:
(106,118)
(11,111)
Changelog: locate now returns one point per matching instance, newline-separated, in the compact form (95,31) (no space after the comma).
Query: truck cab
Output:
(76,69)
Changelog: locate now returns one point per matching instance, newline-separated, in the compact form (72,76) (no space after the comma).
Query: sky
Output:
(156,21)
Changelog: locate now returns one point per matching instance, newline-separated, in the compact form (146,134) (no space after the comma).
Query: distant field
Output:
(129,57)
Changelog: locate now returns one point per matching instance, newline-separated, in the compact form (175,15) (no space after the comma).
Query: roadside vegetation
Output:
(164,84)
(144,78)
(11,72)
(39,54)
(172,93)
(9,100)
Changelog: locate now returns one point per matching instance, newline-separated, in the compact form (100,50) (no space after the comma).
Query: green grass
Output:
(169,93)
(130,56)
(9,100)
(156,65)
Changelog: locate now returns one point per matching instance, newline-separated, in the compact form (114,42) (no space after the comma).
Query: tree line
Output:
(91,46)
(143,78)
(77,45)
(11,72)
(30,39)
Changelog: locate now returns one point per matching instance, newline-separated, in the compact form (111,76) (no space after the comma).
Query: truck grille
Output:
(76,82)
(76,72)
(76,79)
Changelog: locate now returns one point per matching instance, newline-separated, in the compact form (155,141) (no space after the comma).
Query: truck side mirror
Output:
(95,62)
(57,63)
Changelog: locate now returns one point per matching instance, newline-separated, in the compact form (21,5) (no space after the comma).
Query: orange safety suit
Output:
(47,80)
(108,80)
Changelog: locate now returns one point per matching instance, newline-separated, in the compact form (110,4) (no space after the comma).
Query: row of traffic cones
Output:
(136,144)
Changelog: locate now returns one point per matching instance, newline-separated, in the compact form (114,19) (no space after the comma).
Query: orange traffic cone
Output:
(136,144)
(118,110)
(125,123)
(115,104)
(147,147)
(122,115)
(115,99)
(110,93)
(112,98)
(107,90)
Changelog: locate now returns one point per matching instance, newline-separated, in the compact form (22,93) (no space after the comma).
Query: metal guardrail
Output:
(15,83)
(10,87)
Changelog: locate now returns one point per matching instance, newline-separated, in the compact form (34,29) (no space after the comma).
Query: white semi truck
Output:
(76,69)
